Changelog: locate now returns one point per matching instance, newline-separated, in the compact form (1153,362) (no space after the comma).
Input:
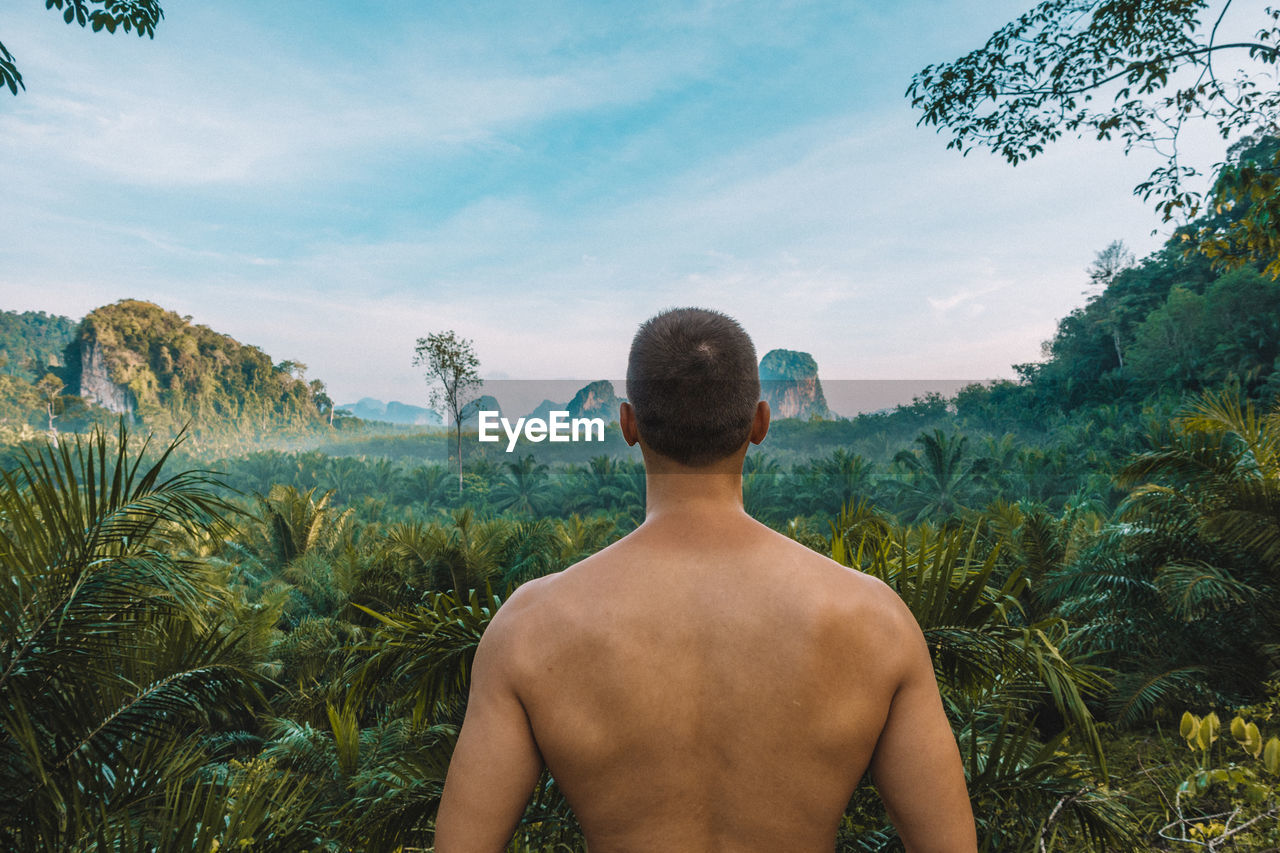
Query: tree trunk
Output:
(458,430)
(53,432)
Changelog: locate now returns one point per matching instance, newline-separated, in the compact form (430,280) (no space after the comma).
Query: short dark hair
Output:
(694,384)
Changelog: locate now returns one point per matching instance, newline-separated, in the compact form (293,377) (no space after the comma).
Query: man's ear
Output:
(759,423)
(627,422)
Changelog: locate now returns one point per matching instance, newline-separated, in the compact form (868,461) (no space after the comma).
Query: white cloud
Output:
(258,117)
(208,186)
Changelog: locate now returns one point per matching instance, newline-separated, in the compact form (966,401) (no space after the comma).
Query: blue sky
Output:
(329,181)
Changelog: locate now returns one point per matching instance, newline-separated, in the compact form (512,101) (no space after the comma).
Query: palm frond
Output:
(1138,693)
(1194,589)
(428,651)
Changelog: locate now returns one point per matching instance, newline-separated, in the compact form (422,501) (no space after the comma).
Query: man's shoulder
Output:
(544,620)
(549,609)
(840,586)
(538,605)
(850,610)
(544,596)
(525,605)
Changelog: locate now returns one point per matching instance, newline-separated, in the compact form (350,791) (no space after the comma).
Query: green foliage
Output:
(997,673)
(937,478)
(423,656)
(32,375)
(350,596)
(452,371)
(32,341)
(114,657)
(1197,340)
(1244,201)
(175,372)
(137,16)
(524,488)
(1176,591)
(349,604)
(299,522)
(1116,68)
(1206,507)
(9,75)
(1245,787)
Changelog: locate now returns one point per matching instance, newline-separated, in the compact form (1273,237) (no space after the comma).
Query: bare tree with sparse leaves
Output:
(452,370)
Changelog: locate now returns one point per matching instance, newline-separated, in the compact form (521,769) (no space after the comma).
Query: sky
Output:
(331,181)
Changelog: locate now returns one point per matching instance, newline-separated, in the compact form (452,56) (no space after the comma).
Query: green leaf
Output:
(1237,728)
(1207,733)
(1271,756)
(1252,740)
(1189,726)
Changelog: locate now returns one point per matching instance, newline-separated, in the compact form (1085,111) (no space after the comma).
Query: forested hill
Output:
(152,366)
(32,341)
(1168,322)
(1167,325)
(32,365)
(137,359)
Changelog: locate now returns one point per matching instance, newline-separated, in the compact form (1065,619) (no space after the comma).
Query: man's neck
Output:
(674,491)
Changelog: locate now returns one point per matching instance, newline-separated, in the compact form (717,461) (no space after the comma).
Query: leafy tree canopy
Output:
(452,372)
(176,371)
(136,16)
(32,341)
(1138,70)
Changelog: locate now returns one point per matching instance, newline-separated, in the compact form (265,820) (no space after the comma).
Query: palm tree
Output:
(461,555)
(426,485)
(578,537)
(378,781)
(114,658)
(1230,461)
(523,487)
(601,472)
(262,469)
(993,470)
(996,673)
(1179,592)
(529,549)
(344,475)
(1107,591)
(829,483)
(938,478)
(625,494)
(762,493)
(383,477)
(297,522)
(420,666)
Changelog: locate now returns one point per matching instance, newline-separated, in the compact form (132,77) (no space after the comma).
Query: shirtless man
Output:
(703,684)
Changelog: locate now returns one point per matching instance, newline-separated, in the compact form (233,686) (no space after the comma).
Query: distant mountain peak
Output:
(789,382)
(595,400)
(395,412)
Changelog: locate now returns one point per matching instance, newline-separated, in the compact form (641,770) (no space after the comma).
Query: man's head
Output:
(693,384)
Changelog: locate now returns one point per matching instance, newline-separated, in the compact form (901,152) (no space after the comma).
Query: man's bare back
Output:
(712,686)
(704,685)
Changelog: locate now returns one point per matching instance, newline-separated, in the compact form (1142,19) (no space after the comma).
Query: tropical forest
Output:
(237,614)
